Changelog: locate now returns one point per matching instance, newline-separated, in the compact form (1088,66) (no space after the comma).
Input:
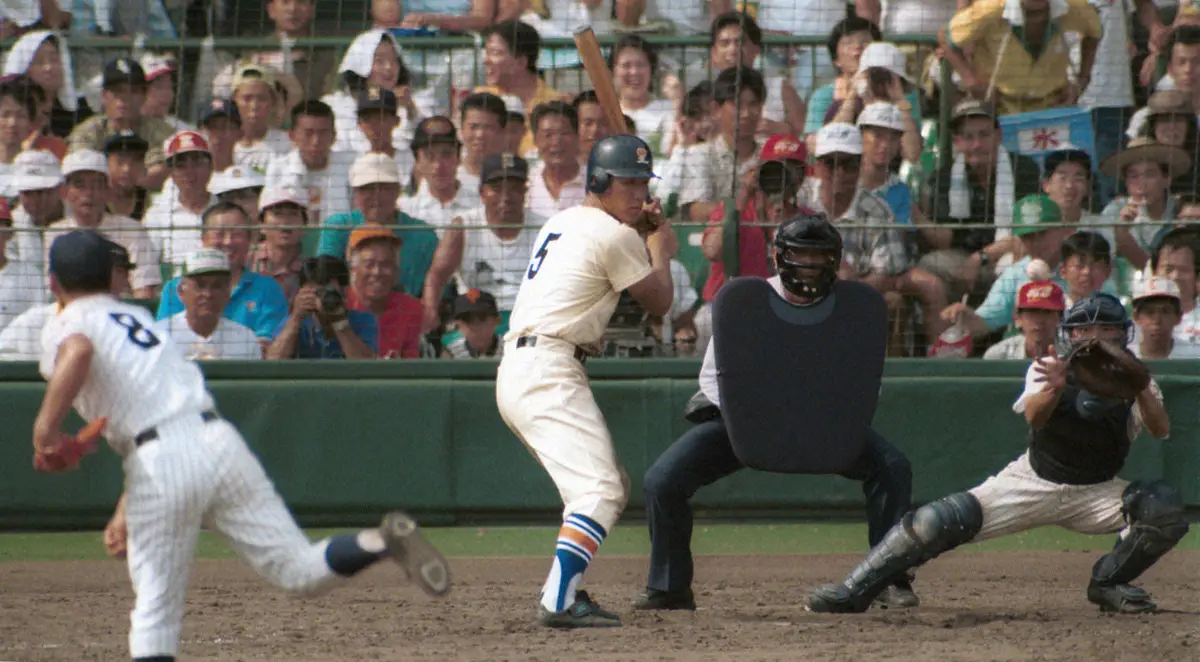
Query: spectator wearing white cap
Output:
(174,220)
(37,179)
(240,185)
(160,90)
(201,331)
(21,284)
(439,197)
(375,187)
(280,255)
(883,125)
(312,163)
(1157,311)
(1177,257)
(86,191)
(881,78)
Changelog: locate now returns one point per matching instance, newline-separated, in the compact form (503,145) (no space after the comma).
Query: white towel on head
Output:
(360,57)
(21,57)
(1002,203)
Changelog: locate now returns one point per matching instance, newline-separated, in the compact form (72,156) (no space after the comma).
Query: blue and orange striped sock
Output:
(578,541)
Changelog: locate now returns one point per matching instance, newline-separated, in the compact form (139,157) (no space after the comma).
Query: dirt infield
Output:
(977,606)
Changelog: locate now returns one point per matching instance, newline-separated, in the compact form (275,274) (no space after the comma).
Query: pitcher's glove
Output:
(1106,369)
(67,454)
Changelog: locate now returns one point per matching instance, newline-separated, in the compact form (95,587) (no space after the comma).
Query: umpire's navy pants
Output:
(704,455)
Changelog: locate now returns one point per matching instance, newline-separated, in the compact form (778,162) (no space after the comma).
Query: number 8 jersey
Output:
(137,379)
(583,259)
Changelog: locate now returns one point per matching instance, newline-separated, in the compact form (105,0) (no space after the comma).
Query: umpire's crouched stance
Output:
(793,375)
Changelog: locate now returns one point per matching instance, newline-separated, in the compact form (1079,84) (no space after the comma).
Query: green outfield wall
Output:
(345,440)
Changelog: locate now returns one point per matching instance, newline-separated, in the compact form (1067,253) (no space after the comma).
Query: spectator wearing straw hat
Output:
(1039,306)
(202,331)
(1146,167)
(1015,53)
(1170,119)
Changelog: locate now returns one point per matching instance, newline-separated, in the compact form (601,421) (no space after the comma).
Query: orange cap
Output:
(369,232)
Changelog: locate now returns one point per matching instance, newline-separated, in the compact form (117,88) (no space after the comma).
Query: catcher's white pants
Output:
(197,474)
(544,397)
(1017,499)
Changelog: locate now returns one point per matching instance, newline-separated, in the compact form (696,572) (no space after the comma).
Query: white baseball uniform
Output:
(195,469)
(1017,499)
(583,260)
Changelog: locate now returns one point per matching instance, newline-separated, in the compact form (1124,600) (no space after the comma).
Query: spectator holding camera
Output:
(374,262)
(201,331)
(476,319)
(320,325)
(881,81)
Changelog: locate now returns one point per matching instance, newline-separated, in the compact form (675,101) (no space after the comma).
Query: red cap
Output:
(1041,295)
(184,142)
(783,147)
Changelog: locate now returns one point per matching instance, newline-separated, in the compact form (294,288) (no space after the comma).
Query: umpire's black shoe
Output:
(583,613)
(836,599)
(654,599)
(899,595)
(1120,598)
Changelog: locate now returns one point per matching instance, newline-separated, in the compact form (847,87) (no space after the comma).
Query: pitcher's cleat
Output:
(583,613)
(424,564)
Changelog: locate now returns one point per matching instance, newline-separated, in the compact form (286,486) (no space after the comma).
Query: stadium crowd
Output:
(311,208)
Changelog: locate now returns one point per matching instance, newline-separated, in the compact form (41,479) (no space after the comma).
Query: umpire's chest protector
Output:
(799,385)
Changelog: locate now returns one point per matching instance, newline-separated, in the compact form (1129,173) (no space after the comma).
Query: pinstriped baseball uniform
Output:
(194,471)
(1018,499)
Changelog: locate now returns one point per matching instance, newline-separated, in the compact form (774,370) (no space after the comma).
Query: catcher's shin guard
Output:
(921,535)
(1154,511)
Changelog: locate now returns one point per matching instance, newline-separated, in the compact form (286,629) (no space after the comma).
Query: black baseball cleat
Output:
(583,613)
(835,599)
(1121,598)
(424,564)
(898,595)
(656,600)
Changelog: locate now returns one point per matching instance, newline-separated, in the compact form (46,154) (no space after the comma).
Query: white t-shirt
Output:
(259,155)
(916,16)
(173,229)
(22,339)
(424,207)
(1033,387)
(1112,81)
(351,139)
(655,122)
(492,264)
(567,15)
(25,246)
(689,17)
(468,179)
(806,17)
(583,260)
(539,201)
(1188,331)
(230,340)
(328,190)
(137,379)
(21,288)
(125,231)
(708,369)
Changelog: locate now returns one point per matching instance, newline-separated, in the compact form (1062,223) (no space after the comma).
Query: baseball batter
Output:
(1078,442)
(184,464)
(585,257)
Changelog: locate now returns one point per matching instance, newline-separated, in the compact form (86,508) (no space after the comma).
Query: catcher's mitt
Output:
(70,452)
(1106,369)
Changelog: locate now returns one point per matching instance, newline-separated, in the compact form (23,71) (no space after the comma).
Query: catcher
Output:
(1083,413)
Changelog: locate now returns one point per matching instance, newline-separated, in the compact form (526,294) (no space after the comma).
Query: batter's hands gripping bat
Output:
(597,70)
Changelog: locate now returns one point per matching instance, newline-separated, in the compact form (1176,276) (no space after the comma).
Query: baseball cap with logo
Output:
(783,147)
(280,194)
(436,130)
(882,114)
(366,233)
(36,170)
(156,66)
(205,261)
(220,108)
(185,142)
(1041,295)
(236,178)
(1033,212)
(1148,286)
(839,138)
(377,98)
(250,73)
(125,142)
(475,302)
(503,166)
(374,168)
(123,71)
(84,160)
(972,108)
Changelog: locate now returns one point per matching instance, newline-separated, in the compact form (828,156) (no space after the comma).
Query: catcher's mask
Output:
(806,277)
(1099,309)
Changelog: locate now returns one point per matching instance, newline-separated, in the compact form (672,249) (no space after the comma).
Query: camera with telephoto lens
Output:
(327,272)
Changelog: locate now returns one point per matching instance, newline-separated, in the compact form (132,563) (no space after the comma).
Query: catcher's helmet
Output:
(618,156)
(1098,309)
(808,229)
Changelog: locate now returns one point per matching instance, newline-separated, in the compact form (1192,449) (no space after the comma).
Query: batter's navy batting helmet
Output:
(1098,309)
(82,260)
(618,156)
(808,229)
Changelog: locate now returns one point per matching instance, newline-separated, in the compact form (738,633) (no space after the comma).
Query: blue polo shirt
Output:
(257,302)
(416,253)
(311,342)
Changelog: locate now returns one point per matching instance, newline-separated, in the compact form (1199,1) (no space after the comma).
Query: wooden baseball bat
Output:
(597,70)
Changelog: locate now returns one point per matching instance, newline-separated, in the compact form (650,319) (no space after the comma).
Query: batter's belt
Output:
(554,345)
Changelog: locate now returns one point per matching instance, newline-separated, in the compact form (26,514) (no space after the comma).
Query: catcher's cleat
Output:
(836,599)
(654,599)
(1120,598)
(583,613)
(899,595)
(424,564)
